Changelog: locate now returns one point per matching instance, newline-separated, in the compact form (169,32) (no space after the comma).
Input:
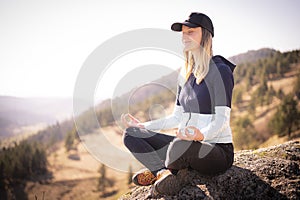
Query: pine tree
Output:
(130,174)
(39,161)
(285,118)
(297,86)
(245,136)
(102,182)
(2,177)
(280,94)
(262,89)
(70,139)
(237,97)
(252,107)
(279,71)
(269,96)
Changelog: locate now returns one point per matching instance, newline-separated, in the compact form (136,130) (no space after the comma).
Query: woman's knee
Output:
(130,130)
(127,138)
(130,135)
(177,152)
(179,146)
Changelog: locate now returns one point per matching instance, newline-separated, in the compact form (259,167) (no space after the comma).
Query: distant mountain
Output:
(16,112)
(253,55)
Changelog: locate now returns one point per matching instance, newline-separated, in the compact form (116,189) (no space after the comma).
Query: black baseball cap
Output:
(195,20)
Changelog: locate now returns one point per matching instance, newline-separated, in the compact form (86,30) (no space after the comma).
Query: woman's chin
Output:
(186,49)
(190,47)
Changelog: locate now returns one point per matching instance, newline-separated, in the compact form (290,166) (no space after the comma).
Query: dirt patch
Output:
(76,178)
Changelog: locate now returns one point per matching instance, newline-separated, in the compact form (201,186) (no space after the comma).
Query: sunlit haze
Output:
(45,43)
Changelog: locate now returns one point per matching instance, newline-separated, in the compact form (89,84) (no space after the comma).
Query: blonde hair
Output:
(199,64)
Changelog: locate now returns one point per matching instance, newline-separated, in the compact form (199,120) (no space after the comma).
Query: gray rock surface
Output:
(268,173)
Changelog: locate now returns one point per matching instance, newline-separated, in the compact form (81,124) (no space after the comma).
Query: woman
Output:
(203,141)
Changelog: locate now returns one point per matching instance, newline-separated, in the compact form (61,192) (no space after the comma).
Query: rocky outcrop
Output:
(268,173)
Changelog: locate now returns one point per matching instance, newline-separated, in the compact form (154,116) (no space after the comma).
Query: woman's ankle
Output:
(156,172)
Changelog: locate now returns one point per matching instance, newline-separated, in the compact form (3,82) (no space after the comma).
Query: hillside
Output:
(252,56)
(261,88)
(16,113)
(269,173)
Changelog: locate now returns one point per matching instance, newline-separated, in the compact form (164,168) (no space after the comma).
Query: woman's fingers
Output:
(190,133)
(186,133)
(194,133)
(133,118)
(180,135)
(124,121)
(192,127)
(128,120)
(177,133)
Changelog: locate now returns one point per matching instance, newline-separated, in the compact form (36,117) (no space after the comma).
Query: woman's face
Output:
(191,38)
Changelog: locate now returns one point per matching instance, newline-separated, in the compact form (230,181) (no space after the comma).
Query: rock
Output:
(268,173)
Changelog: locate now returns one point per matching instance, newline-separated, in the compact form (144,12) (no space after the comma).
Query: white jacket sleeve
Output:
(218,125)
(168,122)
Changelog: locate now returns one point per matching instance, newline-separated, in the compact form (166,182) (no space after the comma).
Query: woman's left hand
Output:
(185,135)
(128,121)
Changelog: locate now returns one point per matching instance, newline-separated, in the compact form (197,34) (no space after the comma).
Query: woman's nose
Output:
(184,37)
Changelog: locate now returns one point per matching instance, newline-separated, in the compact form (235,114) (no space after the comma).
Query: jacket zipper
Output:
(188,94)
(190,115)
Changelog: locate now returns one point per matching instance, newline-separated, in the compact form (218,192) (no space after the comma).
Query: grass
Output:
(76,179)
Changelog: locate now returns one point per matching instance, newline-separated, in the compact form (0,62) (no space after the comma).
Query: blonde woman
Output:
(203,140)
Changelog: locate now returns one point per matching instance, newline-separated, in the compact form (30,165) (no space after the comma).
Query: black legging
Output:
(157,151)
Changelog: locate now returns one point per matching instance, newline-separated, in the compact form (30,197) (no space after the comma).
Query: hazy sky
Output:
(43,44)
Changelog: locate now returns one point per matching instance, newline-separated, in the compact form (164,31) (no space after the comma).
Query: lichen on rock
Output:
(268,173)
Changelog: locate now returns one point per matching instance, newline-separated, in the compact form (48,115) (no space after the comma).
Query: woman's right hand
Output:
(190,133)
(130,121)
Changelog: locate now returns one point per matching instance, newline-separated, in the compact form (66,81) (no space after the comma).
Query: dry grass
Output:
(275,140)
(76,179)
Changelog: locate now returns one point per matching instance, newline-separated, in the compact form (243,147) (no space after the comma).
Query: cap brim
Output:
(178,25)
